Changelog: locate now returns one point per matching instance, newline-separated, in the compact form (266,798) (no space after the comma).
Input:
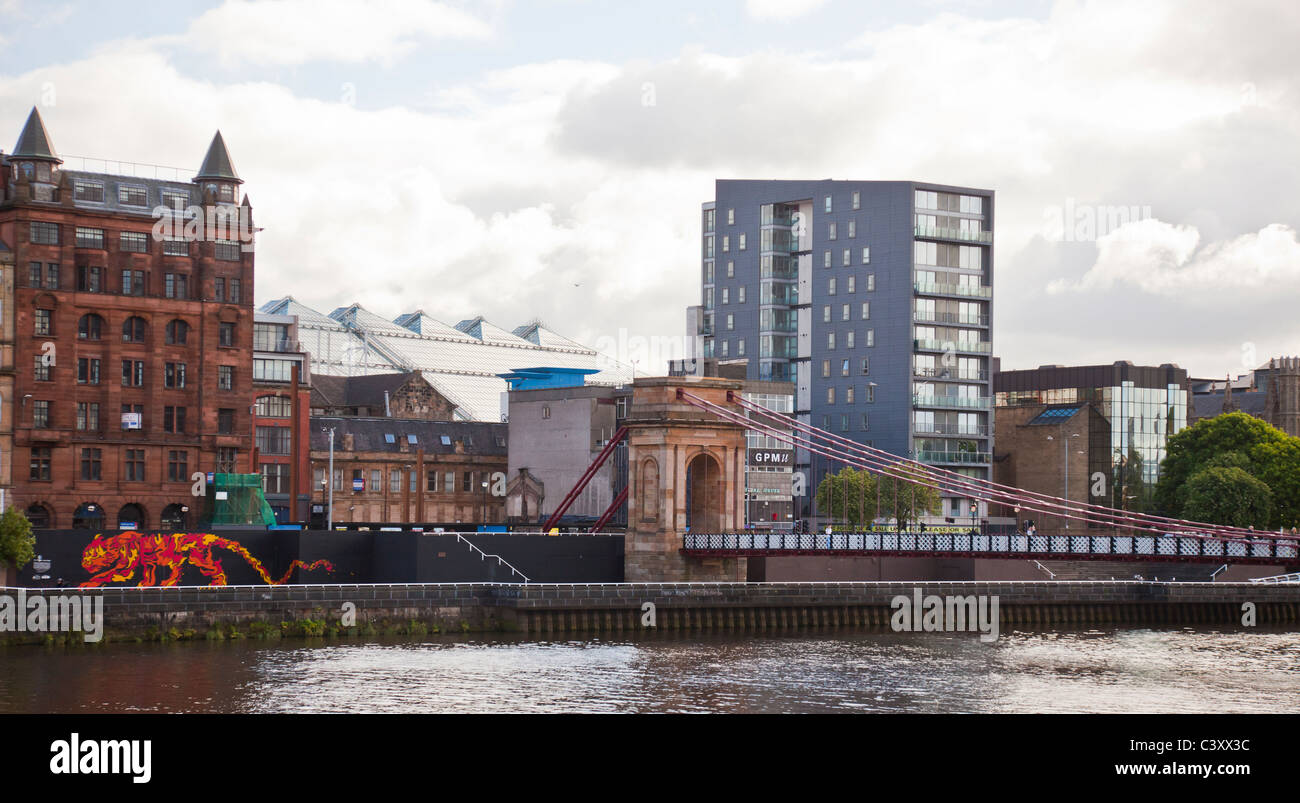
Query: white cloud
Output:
(1162,259)
(781,9)
(291,32)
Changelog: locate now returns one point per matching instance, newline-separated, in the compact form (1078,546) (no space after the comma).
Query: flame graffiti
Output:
(114,558)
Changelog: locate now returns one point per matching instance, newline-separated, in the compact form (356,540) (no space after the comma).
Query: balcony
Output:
(946,429)
(961,290)
(765,327)
(950,317)
(953,457)
(952,402)
(934,233)
(706,329)
(282,345)
(982,347)
(949,373)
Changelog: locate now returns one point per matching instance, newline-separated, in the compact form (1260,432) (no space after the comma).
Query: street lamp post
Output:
(329,482)
(1065,462)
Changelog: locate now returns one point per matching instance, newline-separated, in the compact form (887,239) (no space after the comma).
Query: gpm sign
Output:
(771,457)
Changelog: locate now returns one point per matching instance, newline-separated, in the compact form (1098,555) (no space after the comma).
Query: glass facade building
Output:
(873,297)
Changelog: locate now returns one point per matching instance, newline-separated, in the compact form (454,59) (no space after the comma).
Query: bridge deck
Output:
(1181,548)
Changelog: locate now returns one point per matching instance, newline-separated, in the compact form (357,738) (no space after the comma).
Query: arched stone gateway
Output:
(690,473)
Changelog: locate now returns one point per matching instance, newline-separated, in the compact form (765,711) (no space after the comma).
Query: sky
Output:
(547,160)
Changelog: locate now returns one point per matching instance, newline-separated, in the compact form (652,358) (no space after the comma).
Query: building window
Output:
(177,285)
(844,312)
(828,204)
(830,395)
(430,479)
(174,375)
(234,291)
(866,366)
(134,242)
(726,295)
(846,259)
(853,229)
(866,255)
(830,341)
(226,334)
(871,282)
(136,411)
(90,279)
(175,200)
(91,191)
(857,200)
(871,338)
(826,259)
(740,242)
(273,440)
(87,371)
(844,367)
(826,314)
(225,377)
(275,478)
(34,273)
(42,368)
(467,481)
(225,421)
(731,322)
(135,465)
(866,310)
(848,339)
(731,217)
(173,419)
(226,250)
(731,269)
(274,407)
(866,424)
(176,247)
(40,467)
(91,468)
(176,332)
(228,455)
(178,466)
(826,368)
(219,289)
(90,238)
(88,416)
(449,482)
(133,282)
(44,322)
(132,196)
(871,393)
(740,294)
(853,284)
(830,286)
(830,230)
(133,330)
(133,373)
(546,413)
(848,392)
(45,233)
(726,243)
(90,327)
(394,481)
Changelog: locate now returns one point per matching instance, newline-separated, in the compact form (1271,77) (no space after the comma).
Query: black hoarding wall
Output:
(353,557)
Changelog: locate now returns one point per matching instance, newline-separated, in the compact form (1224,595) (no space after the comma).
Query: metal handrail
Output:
(1050,574)
(500,560)
(1294,577)
(1216,572)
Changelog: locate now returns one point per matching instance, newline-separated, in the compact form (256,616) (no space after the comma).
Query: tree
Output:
(17,544)
(1191,450)
(1233,440)
(1131,492)
(848,496)
(903,497)
(1228,496)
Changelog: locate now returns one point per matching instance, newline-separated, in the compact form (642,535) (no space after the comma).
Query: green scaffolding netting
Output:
(243,502)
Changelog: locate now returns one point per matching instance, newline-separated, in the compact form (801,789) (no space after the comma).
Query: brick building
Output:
(1271,393)
(133,325)
(391,471)
(281,435)
(397,395)
(6,374)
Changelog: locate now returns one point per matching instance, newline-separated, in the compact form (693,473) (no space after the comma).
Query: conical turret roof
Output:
(34,142)
(217,163)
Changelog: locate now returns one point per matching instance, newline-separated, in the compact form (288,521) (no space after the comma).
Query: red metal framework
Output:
(586,478)
(610,511)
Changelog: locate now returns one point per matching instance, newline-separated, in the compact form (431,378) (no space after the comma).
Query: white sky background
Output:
(500,158)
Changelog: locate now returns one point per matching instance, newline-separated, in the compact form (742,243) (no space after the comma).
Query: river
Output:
(1182,670)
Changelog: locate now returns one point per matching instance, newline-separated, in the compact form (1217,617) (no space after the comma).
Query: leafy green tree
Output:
(848,496)
(1233,440)
(17,544)
(1228,496)
(902,498)
(1191,450)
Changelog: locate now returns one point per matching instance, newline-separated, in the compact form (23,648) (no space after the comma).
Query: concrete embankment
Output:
(420,609)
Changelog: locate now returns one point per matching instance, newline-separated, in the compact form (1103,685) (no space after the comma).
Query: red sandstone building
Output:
(132,351)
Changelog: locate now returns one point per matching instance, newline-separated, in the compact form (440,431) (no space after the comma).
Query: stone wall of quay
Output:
(418,609)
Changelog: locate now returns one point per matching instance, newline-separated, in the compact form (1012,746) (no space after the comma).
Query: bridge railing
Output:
(1172,545)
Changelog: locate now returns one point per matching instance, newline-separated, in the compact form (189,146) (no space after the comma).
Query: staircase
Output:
(1125,570)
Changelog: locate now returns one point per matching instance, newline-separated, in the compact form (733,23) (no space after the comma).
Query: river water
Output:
(1184,670)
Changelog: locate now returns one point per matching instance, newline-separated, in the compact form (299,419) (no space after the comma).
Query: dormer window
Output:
(226,193)
(132,196)
(88,191)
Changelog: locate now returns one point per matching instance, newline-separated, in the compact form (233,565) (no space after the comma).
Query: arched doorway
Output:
(39,516)
(705,495)
(173,518)
(131,517)
(89,516)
